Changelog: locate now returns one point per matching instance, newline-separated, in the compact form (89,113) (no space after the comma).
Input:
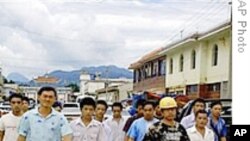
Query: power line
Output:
(194,19)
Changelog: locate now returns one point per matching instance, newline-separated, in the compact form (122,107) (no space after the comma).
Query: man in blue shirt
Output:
(217,123)
(44,123)
(140,126)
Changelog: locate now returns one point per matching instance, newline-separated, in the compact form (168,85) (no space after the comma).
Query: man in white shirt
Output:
(200,131)
(10,121)
(189,121)
(85,128)
(100,110)
(116,123)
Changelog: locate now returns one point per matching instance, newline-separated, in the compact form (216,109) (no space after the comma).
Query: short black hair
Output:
(140,102)
(215,103)
(47,88)
(56,104)
(15,95)
(199,100)
(102,102)
(25,98)
(117,104)
(201,112)
(149,103)
(87,101)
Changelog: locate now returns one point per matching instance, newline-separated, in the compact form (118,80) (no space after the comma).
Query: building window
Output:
(181,63)
(162,67)
(193,59)
(171,66)
(215,87)
(135,76)
(155,68)
(215,55)
(145,68)
(192,89)
(149,70)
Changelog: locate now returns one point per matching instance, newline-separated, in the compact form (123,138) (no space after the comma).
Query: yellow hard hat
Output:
(167,102)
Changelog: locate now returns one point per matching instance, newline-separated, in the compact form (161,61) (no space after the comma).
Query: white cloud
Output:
(41,35)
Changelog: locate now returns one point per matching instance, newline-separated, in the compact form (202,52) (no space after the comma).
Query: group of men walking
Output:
(153,122)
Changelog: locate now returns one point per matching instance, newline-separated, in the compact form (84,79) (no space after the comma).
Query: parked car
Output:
(5,106)
(71,110)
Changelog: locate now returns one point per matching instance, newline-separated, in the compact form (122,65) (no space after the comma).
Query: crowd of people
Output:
(154,121)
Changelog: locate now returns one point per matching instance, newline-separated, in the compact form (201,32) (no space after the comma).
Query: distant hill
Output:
(67,77)
(17,77)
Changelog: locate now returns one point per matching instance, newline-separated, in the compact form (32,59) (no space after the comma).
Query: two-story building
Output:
(196,66)
(200,65)
(149,73)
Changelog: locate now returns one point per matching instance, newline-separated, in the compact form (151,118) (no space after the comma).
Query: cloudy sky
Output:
(39,36)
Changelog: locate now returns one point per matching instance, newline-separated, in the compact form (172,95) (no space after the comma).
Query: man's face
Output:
(25,105)
(201,120)
(158,110)
(140,110)
(47,98)
(216,110)
(148,111)
(198,106)
(88,111)
(16,104)
(100,110)
(116,111)
(169,114)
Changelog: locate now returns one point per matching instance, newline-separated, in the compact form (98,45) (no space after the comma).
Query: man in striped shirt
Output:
(167,129)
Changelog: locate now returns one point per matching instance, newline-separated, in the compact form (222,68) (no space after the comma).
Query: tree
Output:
(74,87)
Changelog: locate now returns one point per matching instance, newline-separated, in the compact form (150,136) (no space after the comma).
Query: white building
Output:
(88,87)
(115,93)
(200,65)
(62,92)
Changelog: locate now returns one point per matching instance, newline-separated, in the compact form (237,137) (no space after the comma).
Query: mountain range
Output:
(67,77)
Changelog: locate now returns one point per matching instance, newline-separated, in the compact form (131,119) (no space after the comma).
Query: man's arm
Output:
(130,139)
(223,139)
(1,135)
(21,138)
(67,137)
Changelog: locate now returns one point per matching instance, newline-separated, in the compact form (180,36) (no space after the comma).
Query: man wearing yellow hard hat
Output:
(167,129)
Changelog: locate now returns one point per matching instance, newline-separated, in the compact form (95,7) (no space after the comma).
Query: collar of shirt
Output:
(92,123)
(53,112)
(194,130)
(121,119)
(220,120)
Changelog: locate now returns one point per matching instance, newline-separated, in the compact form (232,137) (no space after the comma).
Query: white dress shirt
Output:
(116,128)
(93,132)
(194,135)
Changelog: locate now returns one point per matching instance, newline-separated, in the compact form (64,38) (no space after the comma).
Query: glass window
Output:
(215,55)
(162,67)
(193,59)
(192,89)
(155,69)
(181,63)
(214,87)
(171,66)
